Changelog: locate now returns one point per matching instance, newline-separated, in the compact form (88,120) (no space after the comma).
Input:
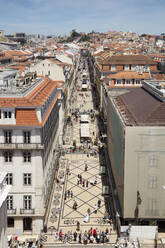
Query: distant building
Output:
(49,67)
(136,145)
(4,190)
(7,78)
(20,37)
(1,33)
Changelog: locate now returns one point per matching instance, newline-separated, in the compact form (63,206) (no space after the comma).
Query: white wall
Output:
(43,68)
(144,171)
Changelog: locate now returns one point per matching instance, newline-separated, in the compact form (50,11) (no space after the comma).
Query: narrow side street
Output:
(77,204)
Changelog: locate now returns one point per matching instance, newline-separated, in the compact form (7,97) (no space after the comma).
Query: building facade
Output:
(136,144)
(28,139)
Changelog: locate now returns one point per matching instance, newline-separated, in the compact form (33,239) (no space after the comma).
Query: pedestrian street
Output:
(80,206)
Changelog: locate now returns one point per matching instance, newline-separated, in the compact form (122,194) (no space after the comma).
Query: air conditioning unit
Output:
(105,190)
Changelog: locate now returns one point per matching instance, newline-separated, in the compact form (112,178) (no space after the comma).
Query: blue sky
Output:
(61,16)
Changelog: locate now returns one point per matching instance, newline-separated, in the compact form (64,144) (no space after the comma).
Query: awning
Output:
(85,133)
(84,118)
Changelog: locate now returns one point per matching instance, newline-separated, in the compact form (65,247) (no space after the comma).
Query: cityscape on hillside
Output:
(82,126)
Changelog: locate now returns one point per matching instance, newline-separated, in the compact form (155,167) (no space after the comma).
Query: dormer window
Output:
(7,114)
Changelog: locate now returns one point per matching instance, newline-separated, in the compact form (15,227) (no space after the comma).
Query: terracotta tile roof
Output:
(36,97)
(128,59)
(25,107)
(26,117)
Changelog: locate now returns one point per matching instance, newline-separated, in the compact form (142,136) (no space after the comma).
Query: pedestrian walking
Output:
(89,211)
(83,183)
(75,205)
(65,196)
(78,226)
(75,236)
(60,235)
(68,193)
(99,203)
(79,237)
(94,233)
(56,236)
(80,179)
(91,239)
(107,230)
(65,238)
(95,182)
(87,183)
(71,193)
(95,211)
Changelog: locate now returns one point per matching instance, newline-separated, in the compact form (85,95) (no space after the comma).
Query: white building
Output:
(50,68)
(7,77)
(4,190)
(29,118)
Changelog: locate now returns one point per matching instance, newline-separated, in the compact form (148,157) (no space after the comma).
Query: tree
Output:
(74,34)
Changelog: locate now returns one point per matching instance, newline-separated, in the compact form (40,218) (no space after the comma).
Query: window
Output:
(126,67)
(133,67)
(9,202)
(8,156)
(152,182)
(153,161)
(7,114)
(152,207)
(113,67)
(137,81)
(26,135)
(128,81)
(8,136)
(27,178)
(147,68)
(9,178)
(27,201)
(10,222)
(26,156)
(118,82)
(27,224)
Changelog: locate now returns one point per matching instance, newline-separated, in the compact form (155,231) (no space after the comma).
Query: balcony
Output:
(27,211)
(11,211)
(21,146)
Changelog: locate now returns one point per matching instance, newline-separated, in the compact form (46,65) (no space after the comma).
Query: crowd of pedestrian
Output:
(93,235)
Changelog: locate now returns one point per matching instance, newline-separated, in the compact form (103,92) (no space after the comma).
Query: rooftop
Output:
(128,59)
(6,73)
(156,88)
(140,108)
(31,95)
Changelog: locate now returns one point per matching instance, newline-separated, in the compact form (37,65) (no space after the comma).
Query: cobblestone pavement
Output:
(62,216)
